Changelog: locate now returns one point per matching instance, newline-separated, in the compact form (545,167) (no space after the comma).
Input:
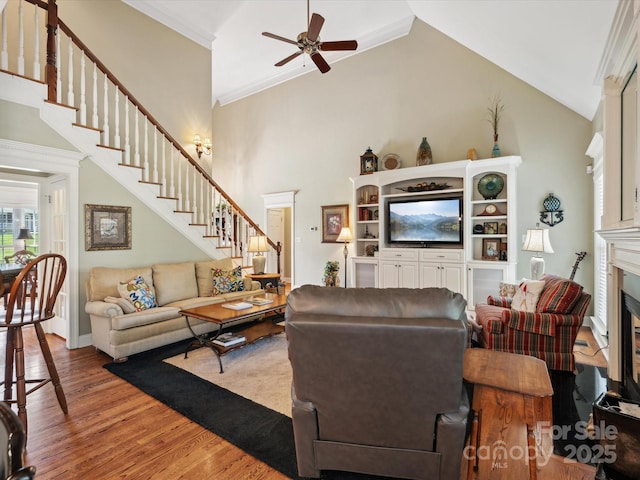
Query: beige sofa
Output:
(176,285)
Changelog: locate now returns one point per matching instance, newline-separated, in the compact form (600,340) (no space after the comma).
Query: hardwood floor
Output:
(115,431)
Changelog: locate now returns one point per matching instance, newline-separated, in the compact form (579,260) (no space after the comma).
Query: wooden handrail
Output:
(53,23)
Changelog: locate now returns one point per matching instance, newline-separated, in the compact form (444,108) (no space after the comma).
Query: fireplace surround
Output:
(623,309)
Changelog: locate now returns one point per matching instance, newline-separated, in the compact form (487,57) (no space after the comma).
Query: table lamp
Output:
(537,240)
(345,236)
(258,244)
(25,235)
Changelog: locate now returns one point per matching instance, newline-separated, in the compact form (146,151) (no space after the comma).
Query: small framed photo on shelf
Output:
(334,217)
(490,228)
(490,249)
(503,252)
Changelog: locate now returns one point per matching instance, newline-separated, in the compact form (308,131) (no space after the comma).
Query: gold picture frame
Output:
(334,217)
(107,227)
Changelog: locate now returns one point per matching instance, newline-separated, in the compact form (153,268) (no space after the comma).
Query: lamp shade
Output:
(345,235)
(258,243)
(24,234)
(537,240)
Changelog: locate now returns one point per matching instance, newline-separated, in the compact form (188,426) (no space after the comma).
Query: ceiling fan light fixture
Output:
(309,42)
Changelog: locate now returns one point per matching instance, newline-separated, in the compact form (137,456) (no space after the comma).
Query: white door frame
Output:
(39,158)
(284,200)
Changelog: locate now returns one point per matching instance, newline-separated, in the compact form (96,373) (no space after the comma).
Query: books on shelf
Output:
(260,300)
(228,339)
(237,305)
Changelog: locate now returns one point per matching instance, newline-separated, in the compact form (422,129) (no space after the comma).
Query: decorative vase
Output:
(496,148)
(424,156)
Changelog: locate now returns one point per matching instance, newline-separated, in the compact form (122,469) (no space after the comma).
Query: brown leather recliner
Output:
(377,380)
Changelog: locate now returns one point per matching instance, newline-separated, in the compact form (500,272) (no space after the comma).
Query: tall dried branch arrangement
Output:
(495,108)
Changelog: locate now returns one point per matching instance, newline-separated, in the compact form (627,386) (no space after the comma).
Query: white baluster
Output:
(179,182)
(94,117)
(36,43)
(58,69)
(70,94)
(127,147)
(4,57)
(105,113)
(202,201)
(20,41)
(187,202)
(136,139)
(83,91)
(194,196)
(155,154)
(172,187)
(116,124)
(146,150)
(163,187)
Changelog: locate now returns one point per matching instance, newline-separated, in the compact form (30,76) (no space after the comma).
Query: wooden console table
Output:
(511,402)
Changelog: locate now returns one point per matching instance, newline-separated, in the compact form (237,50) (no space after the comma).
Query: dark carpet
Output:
(261,432)
(268,435)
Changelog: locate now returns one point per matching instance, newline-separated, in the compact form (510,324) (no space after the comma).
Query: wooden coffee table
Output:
(224,317)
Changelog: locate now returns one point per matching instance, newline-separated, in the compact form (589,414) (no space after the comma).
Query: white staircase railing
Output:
(76,78)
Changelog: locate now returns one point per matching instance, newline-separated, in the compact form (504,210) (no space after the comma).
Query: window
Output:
(18,210)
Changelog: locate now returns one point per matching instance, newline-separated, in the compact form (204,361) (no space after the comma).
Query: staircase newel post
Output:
(278,251)
(51,71)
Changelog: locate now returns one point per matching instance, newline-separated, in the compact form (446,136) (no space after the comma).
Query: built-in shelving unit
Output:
(474,268)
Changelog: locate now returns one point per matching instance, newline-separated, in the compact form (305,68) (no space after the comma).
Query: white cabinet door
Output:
(452,277)
(389,274)
(483,281)
(408,275)
(429,275)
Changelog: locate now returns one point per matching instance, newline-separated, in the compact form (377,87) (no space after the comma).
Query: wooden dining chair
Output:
(31,302)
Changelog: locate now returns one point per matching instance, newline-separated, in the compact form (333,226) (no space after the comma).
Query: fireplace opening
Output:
(630,343)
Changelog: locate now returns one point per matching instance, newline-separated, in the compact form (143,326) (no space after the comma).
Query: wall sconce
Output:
(552,213)
(202,147)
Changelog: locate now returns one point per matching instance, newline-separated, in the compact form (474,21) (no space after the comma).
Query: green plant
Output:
(331,268)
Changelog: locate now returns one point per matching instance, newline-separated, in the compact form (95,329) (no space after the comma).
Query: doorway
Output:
(279,214)
(56,173)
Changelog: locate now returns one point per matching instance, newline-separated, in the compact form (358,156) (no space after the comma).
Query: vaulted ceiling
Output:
(554,45)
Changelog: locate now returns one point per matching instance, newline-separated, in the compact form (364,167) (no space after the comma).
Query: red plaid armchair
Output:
(549,333)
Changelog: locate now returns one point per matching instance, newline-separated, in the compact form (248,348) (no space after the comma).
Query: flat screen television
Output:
(425,221)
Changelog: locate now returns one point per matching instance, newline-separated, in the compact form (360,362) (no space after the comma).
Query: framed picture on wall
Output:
(334,217)
(107,227)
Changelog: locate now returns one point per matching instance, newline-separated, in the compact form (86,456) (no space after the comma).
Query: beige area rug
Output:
(260,372)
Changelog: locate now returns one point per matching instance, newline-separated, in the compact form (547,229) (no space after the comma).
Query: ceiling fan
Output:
(309,42)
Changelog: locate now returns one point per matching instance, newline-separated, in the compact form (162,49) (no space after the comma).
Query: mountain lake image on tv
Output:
(425,221)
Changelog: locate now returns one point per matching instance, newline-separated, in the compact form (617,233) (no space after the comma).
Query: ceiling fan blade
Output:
(288,59)
(278,37)
(320,62)
(341,45)
(314,27)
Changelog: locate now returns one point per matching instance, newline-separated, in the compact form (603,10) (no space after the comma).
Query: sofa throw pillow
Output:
(138,293)
(559,296)
(526,297)
(507,289)
(227,281)
(123,303)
